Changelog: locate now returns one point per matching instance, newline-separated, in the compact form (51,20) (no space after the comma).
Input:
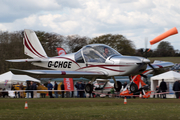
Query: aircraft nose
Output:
(146,60)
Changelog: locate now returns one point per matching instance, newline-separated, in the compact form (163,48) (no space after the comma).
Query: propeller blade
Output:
(143,75)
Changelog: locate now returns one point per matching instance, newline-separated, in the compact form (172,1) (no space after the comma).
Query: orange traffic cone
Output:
(125,101)
(26,105)
(140,95)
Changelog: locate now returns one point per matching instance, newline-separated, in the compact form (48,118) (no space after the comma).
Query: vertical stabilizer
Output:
(32,46)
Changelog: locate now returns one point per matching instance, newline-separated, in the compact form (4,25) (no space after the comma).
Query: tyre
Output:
(89,88)
(119,86)
(133,88)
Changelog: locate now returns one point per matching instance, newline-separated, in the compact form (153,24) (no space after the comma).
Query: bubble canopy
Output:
(97,53)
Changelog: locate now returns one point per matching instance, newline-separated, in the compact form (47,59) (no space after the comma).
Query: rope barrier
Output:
(92,92)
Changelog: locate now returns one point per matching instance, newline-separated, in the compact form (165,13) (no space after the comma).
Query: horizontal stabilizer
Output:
(25,60)
(58,73)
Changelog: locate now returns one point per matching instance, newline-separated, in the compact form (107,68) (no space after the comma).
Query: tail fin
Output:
(32,46)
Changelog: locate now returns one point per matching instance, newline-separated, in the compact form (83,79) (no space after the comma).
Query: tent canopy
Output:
(9,77)
(170,76)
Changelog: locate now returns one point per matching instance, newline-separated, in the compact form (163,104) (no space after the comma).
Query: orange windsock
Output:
(164,35)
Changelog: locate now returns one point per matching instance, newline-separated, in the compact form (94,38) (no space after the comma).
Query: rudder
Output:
(32,46)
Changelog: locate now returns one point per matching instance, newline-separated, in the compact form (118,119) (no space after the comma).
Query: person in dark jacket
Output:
(50,86)
(90,94)
(163,88)
(81,88)
(55,88)
(62,88)
(176,87)
(31,88)
(157,91)
(27,89)
(77,87)
(34,90)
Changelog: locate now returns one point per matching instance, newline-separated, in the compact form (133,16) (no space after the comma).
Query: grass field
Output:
(90,109)
(170,59)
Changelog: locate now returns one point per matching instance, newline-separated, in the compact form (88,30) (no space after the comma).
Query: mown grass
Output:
(170,59)
(90,109)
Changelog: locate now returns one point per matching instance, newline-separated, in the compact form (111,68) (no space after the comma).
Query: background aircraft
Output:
(92,61)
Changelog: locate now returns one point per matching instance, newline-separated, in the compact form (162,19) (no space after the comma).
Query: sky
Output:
(137,20)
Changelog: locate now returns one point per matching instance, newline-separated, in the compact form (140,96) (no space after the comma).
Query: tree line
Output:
(11,47)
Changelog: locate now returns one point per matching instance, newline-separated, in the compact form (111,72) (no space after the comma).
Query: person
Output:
(90,93)
(157,91)
(163,88)
(62,88)
(50,86)
(84,94)
(27,89)
(34,90)
(106,52)
(72,94)
(125,83)
(55,88)
(31,88)
(43,94)
(81,88)
(112,92)
(18,91)
(176,87)
(13,88)
(77,87)
(21,87)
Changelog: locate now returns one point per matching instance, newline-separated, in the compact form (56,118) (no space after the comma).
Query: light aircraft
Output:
(95,61)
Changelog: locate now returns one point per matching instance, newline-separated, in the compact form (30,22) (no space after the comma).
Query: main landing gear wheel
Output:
(89,88)
(119,86)
(133,88)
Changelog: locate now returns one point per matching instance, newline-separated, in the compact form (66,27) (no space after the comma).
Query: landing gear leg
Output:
(117,85)
(89,87)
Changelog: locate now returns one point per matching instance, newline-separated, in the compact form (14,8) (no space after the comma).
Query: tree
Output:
(50,41)
(76,42)
(165,49)
(118,42)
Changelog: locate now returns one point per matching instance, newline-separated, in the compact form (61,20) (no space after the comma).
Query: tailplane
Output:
(32,46)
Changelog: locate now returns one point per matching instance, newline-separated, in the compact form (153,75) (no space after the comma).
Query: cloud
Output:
(12,10)
(136,20)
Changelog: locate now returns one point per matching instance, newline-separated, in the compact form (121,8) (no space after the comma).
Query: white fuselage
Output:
(114,66)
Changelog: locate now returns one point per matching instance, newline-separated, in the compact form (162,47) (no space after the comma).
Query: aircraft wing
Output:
(161,64)
(58,73)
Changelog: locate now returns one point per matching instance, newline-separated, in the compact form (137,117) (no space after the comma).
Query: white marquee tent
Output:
(169,77)
(9,78)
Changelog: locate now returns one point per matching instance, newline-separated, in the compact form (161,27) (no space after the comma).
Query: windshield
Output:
(98,53)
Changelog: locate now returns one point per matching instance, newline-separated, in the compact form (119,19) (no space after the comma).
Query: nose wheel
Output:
(118,87)
(133,88)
